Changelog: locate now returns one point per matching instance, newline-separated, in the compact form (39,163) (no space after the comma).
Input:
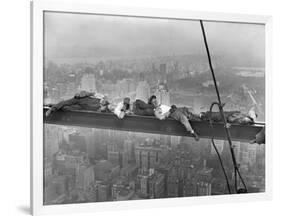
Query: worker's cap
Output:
(126,100)
(173,108)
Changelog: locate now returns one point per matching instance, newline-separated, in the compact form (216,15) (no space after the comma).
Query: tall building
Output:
(78,142)
(129,149)
(106,171)
(244,153)
(162,93)
(124,87)
(252,154)
(88,82)
(53,135)
(203,189)
(219,144)
(85,177)
(173,183)
(204,180)
(237,150)
(143,91)
(143,179)
(175,141)
(113,153)
(163,71)
(103,191)
(156,185)
(151,184)
(68,164)
(55,190)
(147,156)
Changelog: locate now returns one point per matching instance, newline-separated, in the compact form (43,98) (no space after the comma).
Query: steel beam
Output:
(149,124)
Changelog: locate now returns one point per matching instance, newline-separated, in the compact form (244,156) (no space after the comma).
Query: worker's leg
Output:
(184,120)
(136,108)
(190,115)
(64,103)
(61,105)
(142,105)
(72,107)
(216,116)
(143,112)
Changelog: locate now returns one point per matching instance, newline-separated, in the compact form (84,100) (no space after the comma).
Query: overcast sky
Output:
(96,36)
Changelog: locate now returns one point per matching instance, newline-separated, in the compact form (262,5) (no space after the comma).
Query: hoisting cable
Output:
(236,168)
(216,149)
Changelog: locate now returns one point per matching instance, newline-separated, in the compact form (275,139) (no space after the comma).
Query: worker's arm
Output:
(83,94)
(158,114)
(118,111)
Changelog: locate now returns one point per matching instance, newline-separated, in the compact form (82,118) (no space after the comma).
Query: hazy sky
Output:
(95,36)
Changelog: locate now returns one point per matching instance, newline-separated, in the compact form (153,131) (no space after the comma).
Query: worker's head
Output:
(158,110)
(252,114)
(153,100)
(126,103)
(126,100)
(173,108)
(83,94)
(103,104)
(246,120)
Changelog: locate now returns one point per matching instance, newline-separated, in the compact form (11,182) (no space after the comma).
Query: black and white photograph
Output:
(150,108)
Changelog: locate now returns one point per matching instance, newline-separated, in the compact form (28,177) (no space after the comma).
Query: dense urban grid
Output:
(94,165)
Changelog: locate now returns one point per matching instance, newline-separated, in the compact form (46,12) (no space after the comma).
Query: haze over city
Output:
(73,37)
(107,54)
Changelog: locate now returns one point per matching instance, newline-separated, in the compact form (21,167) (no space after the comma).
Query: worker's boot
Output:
(195,135)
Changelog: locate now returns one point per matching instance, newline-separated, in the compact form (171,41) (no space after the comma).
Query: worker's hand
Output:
(122,115)
(128,112)
(49,112)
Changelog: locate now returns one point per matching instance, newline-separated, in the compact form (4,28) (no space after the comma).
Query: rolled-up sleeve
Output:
(117,110)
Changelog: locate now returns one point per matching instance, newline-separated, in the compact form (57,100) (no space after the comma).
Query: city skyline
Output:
(117,166)
(118,57)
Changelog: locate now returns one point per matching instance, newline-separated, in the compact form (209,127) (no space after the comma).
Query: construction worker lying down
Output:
(184,115)
(231,117)
(82,101)
(145,109)
(181,114)
(123,108)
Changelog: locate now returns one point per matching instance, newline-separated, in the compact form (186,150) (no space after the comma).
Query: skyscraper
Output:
(88,82)
(143,89)
(156,185)
(203,189)
(162,93)
(147,156)
(85,176)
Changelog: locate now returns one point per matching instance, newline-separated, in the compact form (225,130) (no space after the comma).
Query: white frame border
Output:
(37,8)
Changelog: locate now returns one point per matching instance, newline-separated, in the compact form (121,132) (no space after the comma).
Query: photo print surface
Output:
(126,106)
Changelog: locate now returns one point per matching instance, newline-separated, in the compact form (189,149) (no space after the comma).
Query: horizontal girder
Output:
(150,124)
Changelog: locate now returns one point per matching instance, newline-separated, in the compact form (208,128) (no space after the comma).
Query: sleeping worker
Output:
(145,109)
(231,117)
(123,108)
(181,114)
(82,101)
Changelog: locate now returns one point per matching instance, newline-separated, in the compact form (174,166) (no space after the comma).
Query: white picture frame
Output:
(37,10)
